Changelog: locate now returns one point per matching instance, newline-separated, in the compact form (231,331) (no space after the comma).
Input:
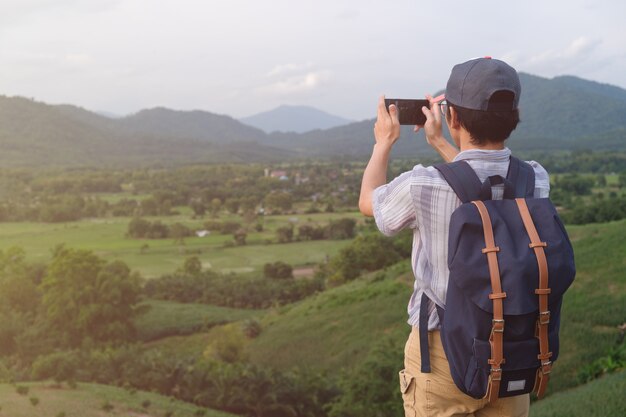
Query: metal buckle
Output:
(494,323)
(548,365)
(544,315)
(496,374)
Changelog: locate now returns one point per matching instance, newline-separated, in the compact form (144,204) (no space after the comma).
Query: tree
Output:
(86,298)
(342,228)
(621,180)
(138,228)
(198,207)
(278,270)
(192,266)
(228,343)
(279,202)
(216,205)
(285,234)
(232,205)
(240,237)
(179,232)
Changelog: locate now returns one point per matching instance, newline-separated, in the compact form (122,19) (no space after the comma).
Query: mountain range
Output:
(561,113)
(297,119)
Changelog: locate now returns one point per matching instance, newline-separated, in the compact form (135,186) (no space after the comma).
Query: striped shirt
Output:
(422,200)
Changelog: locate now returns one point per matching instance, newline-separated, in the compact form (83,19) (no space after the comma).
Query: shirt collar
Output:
(500,155)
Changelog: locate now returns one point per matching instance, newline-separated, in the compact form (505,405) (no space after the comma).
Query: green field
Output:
(106,237)
(600,398)
(167,318)
(335,329)
(88,400)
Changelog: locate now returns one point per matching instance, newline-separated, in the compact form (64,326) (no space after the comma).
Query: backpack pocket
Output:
(518,371)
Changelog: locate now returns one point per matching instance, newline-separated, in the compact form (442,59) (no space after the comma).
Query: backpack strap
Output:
(423,332)
(543,373)
(522,175)
(463,180)
(519,182)
(496,337)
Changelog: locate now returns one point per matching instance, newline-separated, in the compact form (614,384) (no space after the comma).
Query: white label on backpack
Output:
(516,385)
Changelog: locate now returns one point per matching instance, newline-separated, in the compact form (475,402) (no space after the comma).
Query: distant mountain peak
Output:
(294,118)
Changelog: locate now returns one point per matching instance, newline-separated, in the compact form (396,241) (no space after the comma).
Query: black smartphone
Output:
(409,110)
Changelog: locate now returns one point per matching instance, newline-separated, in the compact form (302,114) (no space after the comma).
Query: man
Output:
(481,111)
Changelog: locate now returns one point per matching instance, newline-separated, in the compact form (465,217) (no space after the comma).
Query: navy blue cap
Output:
(472,83)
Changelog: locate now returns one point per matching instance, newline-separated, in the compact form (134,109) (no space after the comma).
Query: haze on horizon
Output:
(242,57)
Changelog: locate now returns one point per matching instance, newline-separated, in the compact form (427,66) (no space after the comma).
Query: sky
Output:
(241,57)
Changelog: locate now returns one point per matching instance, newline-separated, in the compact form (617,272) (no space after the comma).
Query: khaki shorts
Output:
(434,394)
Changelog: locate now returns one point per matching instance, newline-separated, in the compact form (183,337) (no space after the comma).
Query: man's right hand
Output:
(387,126)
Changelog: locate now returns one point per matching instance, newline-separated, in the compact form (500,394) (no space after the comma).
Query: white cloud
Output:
(578,50)
(296,84)
(288,69)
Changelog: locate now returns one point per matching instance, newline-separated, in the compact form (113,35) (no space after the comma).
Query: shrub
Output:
(107,406)
(252,328)
(34,401)
(278,270)
(227,344)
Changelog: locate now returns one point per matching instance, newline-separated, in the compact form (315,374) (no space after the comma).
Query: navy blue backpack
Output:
(510,262)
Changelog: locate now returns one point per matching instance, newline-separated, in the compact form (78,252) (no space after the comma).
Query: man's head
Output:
(484,96)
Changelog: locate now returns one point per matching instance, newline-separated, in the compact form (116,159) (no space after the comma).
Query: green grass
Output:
(87,400)
(167,318)
(334,329)
(603,397)
(106,237)
(595,305)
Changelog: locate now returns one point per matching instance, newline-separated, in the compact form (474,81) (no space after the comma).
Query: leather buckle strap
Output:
(544,317)
(546,367)
(493,296)
(492,249)
(497,326)
(496,374)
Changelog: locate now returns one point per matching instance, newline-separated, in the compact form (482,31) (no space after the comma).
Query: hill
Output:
(90,400)
(297,119)
(561,113)
(41,135)
(601,398)
(337,328)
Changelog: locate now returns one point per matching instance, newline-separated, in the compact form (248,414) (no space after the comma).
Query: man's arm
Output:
(386,133)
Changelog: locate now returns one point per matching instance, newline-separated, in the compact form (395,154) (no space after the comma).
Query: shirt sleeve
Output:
(393,205)
(542,180)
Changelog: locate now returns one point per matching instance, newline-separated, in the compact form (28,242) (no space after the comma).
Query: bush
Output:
(365,253)
(210,287)
(22,390)
(252,328)
(278,270)
(227,344)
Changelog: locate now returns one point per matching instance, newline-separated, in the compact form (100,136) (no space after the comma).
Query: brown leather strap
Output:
(496,338)
(543,373)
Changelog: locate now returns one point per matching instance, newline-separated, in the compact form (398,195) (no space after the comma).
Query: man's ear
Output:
(454,120)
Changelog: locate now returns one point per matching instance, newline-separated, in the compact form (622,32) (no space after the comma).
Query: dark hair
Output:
(491,126)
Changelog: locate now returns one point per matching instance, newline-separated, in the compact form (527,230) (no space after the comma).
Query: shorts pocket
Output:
(407,388)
